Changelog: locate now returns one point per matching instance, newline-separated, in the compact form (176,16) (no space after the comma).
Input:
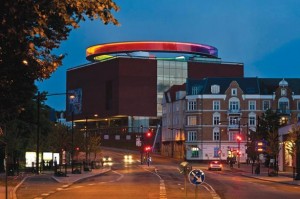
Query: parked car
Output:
(215,165)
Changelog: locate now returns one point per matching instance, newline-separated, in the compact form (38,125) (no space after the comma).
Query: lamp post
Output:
(72,132)
(38,132)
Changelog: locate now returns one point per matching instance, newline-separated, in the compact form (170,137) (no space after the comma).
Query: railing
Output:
(283,111)
(234,111)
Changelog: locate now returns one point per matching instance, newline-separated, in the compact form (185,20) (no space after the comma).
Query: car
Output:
(128,158)
(107,160)
(215,165)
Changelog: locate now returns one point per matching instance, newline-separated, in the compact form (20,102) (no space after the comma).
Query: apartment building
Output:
(218,113)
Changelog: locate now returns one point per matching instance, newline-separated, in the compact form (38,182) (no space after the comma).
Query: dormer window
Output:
(234,92)
(215,89)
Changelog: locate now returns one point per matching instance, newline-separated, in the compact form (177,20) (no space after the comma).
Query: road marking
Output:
(211,190)
(162,190)
(45,194)
(162,187)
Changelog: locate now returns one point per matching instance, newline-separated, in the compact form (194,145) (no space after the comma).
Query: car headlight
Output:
(109,159)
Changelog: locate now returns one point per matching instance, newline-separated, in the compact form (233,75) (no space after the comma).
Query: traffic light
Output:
(147,148)
(149,134)
(238,138)
(77,148)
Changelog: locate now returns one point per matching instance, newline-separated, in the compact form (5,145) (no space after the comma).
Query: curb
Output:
(80,179)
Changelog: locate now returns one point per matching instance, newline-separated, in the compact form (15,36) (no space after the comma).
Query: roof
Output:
(249,85)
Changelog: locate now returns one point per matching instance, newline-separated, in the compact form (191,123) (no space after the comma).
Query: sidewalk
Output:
(246,170)
(72,178)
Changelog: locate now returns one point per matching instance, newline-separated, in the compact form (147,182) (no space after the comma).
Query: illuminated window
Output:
(192,120)
(195,152)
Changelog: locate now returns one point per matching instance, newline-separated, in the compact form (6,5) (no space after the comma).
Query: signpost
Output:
(185,168)
(196,177)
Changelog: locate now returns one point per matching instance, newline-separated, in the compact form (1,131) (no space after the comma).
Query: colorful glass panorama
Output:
(150,46)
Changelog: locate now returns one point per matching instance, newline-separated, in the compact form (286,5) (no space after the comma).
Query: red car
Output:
(215,165)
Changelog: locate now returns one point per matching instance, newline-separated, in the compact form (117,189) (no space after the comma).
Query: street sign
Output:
(196,177)
(185,168)
(138,141)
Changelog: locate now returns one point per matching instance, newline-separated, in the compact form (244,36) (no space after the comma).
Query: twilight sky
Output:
(262,34)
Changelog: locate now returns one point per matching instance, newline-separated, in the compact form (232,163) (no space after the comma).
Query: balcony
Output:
(283,111)
(234,111)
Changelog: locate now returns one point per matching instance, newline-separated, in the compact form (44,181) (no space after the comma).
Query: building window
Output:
(283,105)
(233,121)
(216,105)
(192,105)
(283,92)
(216,134)
(298,105)
(298,117)
(195,90)
(234,105)
(232,136)
(252,105)
(192,120)
(216,119)
(266,105)
(252,121)
(234,92)
(192,136)
(195,152)
(215,89)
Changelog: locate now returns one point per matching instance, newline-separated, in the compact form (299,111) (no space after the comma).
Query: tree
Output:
(269,125)
(294,137)
(30,30)
(95,142)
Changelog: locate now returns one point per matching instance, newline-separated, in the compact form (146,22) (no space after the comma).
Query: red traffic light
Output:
(77,148)
(147,148)
(238,138)
(148,134)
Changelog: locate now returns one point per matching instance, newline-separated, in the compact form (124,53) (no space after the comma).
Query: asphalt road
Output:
(160,180)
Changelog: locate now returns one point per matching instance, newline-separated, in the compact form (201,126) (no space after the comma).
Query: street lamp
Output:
(38,101)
